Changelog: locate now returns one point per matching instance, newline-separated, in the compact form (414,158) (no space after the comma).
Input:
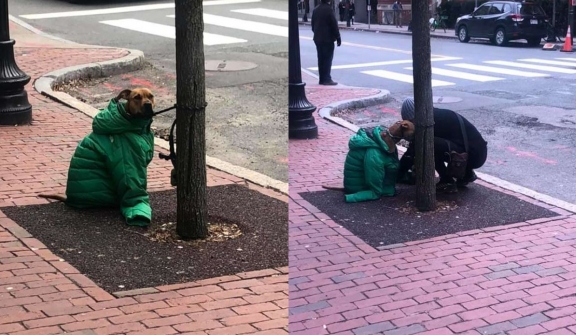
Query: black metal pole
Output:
(301,124)
(571,21)
(14,106)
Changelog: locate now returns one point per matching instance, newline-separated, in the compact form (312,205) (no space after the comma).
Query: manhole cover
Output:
(228,65)
(445,100)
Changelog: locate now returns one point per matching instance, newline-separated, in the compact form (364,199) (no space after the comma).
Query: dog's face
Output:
(140,101)
(402,130)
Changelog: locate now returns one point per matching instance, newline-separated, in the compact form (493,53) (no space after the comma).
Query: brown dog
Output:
(396,132)
(139,103)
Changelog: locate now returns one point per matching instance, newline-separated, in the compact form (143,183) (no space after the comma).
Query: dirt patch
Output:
(392,220)
(249,232)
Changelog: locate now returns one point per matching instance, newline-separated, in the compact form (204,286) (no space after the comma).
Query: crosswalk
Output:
(210,39)
(232,26)
(450,71)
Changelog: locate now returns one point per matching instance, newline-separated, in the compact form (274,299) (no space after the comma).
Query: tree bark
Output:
(424,117)
(192,214)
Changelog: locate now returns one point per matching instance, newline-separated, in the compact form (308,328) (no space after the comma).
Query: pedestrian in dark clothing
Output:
(447,137)
(351,11)
(341,10)
(397,8)
(325,29)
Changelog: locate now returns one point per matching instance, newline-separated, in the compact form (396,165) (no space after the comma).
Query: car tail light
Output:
(516,18)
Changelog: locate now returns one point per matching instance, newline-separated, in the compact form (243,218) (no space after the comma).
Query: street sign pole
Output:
(571,19)
(369,14)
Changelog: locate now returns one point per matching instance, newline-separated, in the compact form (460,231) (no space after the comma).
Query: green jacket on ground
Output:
(109,166)
(370,171)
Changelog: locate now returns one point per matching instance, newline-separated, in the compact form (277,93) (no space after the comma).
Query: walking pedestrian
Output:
(352,11)
(325,29)
(397,8)
(341,10)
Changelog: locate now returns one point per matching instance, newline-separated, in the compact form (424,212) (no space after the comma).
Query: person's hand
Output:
(338,41)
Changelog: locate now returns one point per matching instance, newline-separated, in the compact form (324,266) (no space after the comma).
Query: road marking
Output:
(532,67)
(167,31)
(403,77)
(127,9)
(461,75)
(549,62)
(499,70)
(257,27)
(275,14)
(570,59)
(376,48)
(390,62)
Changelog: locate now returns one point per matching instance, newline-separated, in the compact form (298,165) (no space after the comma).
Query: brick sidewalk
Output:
(41,294)
(516,279)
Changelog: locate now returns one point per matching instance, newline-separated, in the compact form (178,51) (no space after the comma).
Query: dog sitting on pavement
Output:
(372,163)
(109,166)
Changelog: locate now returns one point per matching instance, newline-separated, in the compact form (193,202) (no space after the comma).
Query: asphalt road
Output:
(528,118)
(99,27)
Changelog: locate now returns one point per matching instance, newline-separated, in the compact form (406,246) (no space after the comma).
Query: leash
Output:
(165,110)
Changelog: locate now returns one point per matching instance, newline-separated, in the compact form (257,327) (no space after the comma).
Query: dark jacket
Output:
(447,126)
(324,24)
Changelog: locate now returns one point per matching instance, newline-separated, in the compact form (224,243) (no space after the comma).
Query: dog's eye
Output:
(151,96)
(137,97)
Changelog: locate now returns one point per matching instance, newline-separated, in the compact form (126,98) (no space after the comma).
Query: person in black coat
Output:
(325,29)
(447,137)
(341,9)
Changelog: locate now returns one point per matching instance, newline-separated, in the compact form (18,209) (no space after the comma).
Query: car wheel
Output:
(500,37)
(463,34)
(534,41)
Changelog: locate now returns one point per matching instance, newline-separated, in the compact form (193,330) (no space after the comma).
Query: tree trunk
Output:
(192,212)
(424,117)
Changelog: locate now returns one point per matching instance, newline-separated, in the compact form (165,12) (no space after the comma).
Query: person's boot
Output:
(446,186)
(329,83)
(469,178)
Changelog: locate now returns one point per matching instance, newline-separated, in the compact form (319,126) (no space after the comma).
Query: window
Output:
(483,10)
(495,9)
(507,8)
(530,9)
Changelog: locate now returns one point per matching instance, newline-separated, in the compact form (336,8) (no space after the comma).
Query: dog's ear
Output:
(124,95)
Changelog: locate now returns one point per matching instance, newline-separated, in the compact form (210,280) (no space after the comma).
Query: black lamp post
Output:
(14,106)
(301,124)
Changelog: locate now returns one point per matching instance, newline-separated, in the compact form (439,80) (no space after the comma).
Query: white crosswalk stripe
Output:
(498,70)
(252,26)
(532,66)
(211,39)
(547,61)
(403,77)
(167,31)
(461,75)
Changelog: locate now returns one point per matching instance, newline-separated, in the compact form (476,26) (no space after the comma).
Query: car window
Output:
(495,9)
(483,10)
(507,8)
(530,9)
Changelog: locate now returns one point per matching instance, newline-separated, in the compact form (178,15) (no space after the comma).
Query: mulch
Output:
(117,257)
(393,220)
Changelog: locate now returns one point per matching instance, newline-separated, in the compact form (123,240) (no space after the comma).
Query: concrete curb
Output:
(327,111)
(386,31)
(383,96)
(135,61)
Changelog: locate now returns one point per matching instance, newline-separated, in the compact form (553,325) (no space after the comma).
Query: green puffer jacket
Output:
(109,166)
(369,170)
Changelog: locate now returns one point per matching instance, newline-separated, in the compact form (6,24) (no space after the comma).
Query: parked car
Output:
(503,21)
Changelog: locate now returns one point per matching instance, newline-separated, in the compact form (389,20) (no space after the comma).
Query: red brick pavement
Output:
(516,279)
(42,294)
